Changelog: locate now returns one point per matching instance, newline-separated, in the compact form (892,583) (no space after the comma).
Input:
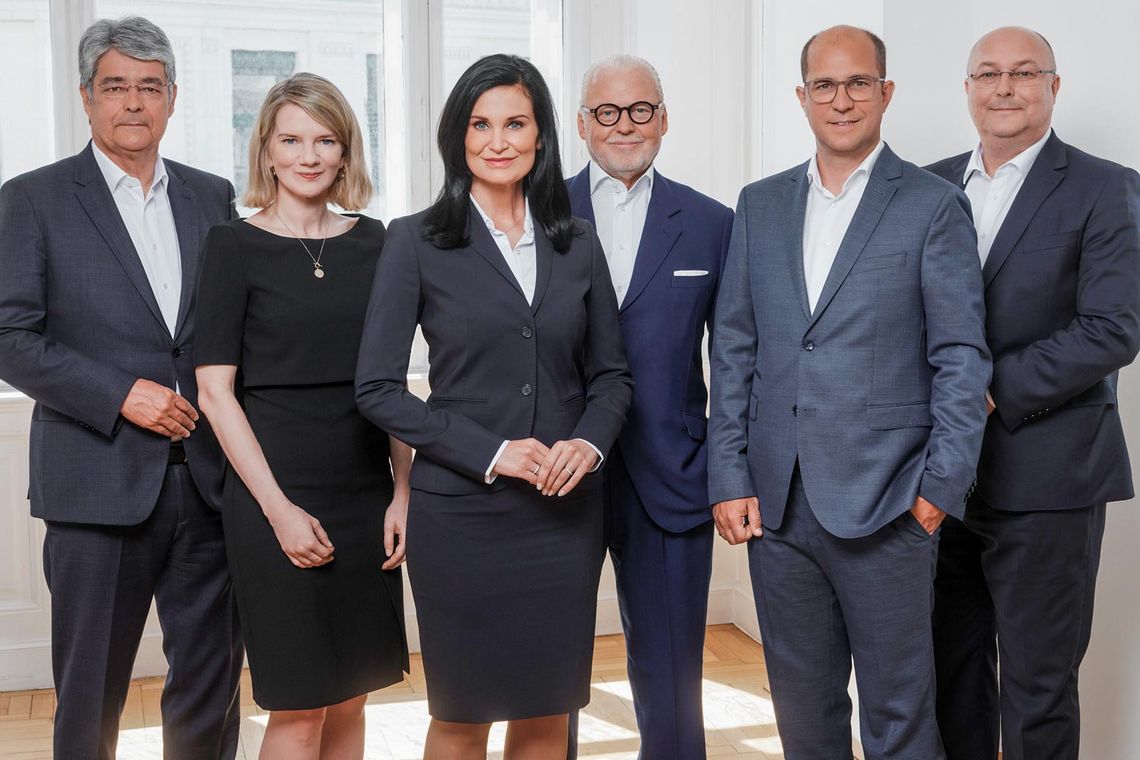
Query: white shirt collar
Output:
(599,177)
(528,221)
(1023,161)
(114,175)
(864,169)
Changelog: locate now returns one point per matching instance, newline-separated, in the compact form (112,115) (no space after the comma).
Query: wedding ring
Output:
(536,469)
(568,470)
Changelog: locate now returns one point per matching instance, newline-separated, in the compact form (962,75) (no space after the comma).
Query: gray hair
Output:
(619,62)
(132,36)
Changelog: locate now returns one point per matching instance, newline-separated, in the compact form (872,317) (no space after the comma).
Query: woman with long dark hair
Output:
(529,390)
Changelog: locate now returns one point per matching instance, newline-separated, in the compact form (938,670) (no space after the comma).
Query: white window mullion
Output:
(69,18)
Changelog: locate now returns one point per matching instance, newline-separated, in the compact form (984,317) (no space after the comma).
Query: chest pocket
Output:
(1046,243)
(880,261)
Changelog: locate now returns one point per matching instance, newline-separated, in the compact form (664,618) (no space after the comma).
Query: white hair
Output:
(619,62)
(132,36)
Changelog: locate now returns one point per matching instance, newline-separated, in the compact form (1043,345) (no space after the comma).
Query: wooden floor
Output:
(738,711)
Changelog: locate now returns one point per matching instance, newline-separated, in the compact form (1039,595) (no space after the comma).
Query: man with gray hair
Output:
(100,256)
(665,244)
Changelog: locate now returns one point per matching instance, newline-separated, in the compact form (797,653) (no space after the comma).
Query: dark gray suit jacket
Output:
(501,368)
(79,324)
(1062,289)
(880,393)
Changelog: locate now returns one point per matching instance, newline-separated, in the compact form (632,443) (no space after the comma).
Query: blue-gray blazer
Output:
(879,393)
(79,324)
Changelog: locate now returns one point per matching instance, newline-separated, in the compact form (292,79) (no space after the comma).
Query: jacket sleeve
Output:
(59,376)
(954,309)
(732,358)
(609,384)
(382,395)
(1104,335)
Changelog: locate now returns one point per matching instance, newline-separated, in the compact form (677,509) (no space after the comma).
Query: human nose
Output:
(309,154)
(1004,83)
(499,141)
(625,123)
(842,101)
(133,100)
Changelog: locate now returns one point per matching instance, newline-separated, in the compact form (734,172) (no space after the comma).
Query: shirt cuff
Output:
(488,478)
(601,458)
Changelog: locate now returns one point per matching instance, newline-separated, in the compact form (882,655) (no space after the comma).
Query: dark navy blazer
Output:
(79,324)
(663,320)
(1062,287)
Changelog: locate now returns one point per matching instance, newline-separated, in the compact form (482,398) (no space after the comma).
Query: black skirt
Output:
(318,636)
(505,586)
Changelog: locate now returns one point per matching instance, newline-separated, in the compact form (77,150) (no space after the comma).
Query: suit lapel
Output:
(794,250)
(544,255)
(579,187)
(95,197)
(660,233)
(484,245)
(184,208)
(879,191)
(1046,173)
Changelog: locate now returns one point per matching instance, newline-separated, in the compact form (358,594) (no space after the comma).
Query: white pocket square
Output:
(690,272)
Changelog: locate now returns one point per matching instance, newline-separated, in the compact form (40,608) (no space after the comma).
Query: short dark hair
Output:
(445,224)
(880,53)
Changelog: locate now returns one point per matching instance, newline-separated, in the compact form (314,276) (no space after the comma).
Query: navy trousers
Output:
(823,600)
(1017,586)
(663,590)
(102,579)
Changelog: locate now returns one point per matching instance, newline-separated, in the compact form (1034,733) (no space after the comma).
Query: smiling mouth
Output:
(309,175)
(498,161)
(845,122)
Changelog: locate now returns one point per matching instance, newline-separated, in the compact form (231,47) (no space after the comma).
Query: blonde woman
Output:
(316,498)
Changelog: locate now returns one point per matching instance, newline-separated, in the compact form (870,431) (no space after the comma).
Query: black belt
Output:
(177,453)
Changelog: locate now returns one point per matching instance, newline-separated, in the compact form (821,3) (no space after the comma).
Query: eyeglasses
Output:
(608,114)
(823,91)
(987,80)
(147,91)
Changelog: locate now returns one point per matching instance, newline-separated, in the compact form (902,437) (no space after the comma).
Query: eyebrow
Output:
(144,80)
(991,64)
(516,117)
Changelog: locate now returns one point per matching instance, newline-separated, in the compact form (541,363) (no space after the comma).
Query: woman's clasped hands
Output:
(553,469)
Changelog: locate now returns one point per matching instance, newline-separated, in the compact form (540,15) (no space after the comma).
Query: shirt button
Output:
(527,390)
(527,332)
(808,345)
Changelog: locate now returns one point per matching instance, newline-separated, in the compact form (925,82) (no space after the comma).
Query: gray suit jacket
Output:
(79,324)
(880,393)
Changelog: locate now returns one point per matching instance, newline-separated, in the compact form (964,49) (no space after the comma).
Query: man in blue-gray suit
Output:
(99,255)
(665,244)
(1059,239)
(848,402)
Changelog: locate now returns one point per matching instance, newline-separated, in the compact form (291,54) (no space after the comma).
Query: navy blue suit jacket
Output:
(1062,289)
(79,324)
(663,320)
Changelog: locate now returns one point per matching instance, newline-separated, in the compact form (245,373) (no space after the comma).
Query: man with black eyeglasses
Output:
(1059,242)
(848,402)
(665,245)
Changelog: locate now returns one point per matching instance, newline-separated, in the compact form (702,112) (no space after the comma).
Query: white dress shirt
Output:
(991,197)
(523,263)
(619,214)
(521,259)
(150,223)
(826,221)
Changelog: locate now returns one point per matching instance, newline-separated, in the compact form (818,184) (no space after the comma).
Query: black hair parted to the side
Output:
(445,224)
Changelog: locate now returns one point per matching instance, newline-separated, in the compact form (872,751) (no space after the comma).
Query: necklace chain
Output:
(318,270)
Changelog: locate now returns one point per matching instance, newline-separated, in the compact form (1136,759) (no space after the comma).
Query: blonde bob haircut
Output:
(321,99)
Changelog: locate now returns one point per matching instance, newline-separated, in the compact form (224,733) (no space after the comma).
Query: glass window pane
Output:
(475,28)
(26,124)
(228,56)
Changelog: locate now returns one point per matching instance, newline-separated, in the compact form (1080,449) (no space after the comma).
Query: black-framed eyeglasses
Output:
(147,90)
(823,91)
(608,114)
(990,79)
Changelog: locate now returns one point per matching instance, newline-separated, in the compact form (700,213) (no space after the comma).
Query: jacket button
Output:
(527,390)
(176,352)
(527,332)
(808,345)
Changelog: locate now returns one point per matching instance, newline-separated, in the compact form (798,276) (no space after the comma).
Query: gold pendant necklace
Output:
(318,270)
